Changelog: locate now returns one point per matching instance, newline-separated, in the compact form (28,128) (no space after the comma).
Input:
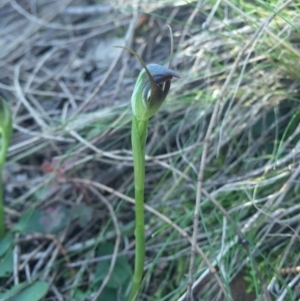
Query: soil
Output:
(238,289)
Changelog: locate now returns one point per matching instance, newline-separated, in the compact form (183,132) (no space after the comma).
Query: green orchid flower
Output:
(151,89)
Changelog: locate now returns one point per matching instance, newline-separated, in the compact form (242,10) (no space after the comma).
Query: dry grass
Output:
(69,91)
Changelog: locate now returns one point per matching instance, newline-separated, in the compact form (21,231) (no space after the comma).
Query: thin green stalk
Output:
(138,139)
(3,150)
(151,89)
(2,224)
(6,132)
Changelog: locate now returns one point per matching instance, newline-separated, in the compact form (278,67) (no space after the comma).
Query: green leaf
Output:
(23,221)
(106,295)
(121,273)
(6,264)
(109,294)
(24,292)
(13,291)
(5,243)
(82,212)
(82,295)
(54,218)
(29,222)
(50,220)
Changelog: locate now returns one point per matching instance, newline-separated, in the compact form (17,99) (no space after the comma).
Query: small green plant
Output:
(6,132)
(150,91)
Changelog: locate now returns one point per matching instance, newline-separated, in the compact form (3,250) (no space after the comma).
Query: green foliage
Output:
(81,295)
(111,294)
(48,221)
(6,256)
(5,244)
(121,274)
(107,294)
(53,219)
(6,264)
(26,292)
(254,284)
(120,277)
(82,212)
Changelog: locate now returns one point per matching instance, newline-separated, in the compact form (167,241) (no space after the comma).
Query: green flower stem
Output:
(138,140)
(150,91)
(5,132)
(2,224)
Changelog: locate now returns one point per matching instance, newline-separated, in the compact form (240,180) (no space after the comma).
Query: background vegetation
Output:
(69,179)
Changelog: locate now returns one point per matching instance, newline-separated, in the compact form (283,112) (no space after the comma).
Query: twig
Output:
(292,270)
(16,257)
(51,237)
(56,292)
(88,10)
(25,102)
(290,285)
(55,253)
